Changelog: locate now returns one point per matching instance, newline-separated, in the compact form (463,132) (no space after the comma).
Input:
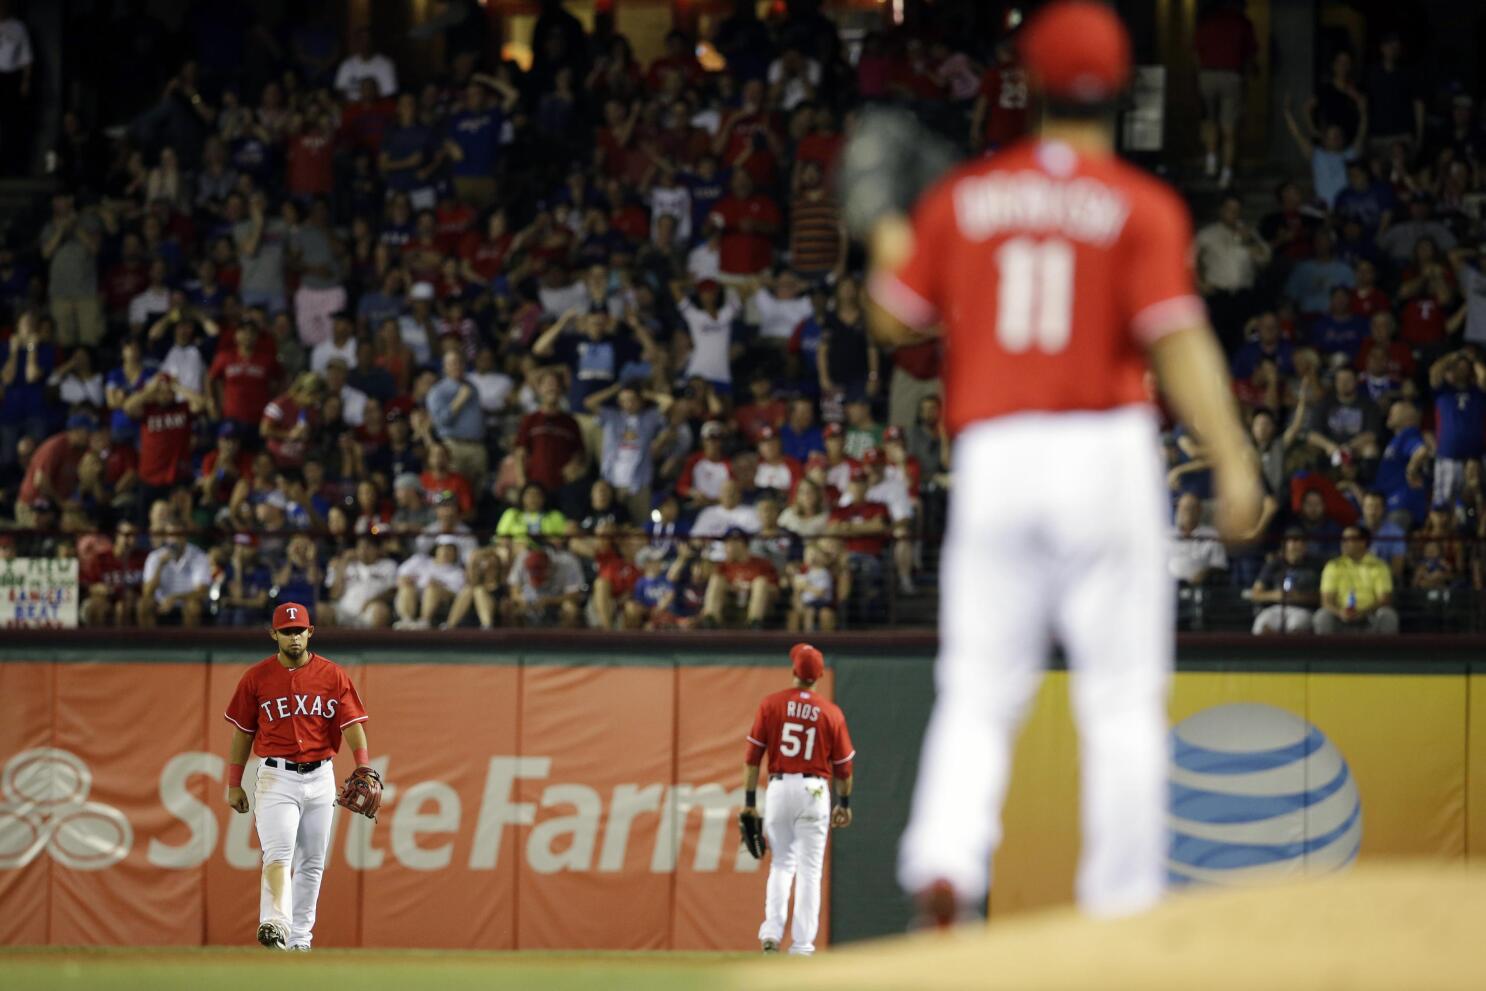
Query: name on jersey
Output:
(286,706)
(802,710)
(1082,209)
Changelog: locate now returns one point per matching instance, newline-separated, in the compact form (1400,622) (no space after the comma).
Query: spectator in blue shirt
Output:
(474,139)
(1365,199)
(1264,342)
(1328,156)
(454,407)
(1312,280)
(596,354)
(1408,448)
(707,185)
(407,156)
(1459,381)
(800,435)
(1339,330)
(1390,541)
(633,431)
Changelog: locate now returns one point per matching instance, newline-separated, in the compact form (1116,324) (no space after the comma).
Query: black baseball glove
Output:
(751,826)
(890,159)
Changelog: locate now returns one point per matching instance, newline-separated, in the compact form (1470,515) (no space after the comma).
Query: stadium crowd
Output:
(583,343)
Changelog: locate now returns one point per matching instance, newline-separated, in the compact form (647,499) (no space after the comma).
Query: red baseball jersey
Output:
(803,733)
(1050,272)
(298,715)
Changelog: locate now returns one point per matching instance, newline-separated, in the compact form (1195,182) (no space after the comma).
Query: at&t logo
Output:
(1257,792)
(44,806)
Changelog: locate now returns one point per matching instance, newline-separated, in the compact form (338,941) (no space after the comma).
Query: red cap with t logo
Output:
(291,615)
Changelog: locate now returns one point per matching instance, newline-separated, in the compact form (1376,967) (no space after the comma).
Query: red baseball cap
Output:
(290,616)
(537,564)
(806,662)
(767,432)
(834,430)
(892,434)
(873,456)
(1077,50)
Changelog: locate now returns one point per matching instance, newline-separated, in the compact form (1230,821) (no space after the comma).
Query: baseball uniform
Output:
(1050,271)
(296,716)
(805,738)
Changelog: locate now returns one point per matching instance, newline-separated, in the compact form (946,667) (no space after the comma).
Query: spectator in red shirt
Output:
(1000,113)
(740,581)
(749,222)
(112,579)
(1225,44)
(1367,298)
(616,579)
(862,524)
(310,158)
(482,254)
(702,474)
(1426,315)
(290,420)
(821,146)
(165,410)
(549,444)
(775,469)
(748,141)
(762,410)
(679,61)
(440,477)
(243,376)
(1382,329)
(52,471)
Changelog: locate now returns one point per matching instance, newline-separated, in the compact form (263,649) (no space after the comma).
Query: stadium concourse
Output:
(301,313)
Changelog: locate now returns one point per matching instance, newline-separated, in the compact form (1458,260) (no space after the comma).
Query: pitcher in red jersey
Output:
(1055,272)
(809,748)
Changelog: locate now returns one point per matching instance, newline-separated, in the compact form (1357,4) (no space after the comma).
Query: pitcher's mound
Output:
(1384,928)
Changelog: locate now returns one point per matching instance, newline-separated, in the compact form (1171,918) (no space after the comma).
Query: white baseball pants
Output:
(797,819)
(293,813)
(1056,532)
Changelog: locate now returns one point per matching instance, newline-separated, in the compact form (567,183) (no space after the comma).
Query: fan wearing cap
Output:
(709,322)
(742,582)
(51,473)
(291,710)
(546,589)
(704,472)
(775,470)
(1056,273)
(810,768)
(838,465)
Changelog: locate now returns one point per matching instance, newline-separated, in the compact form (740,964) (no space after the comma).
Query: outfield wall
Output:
(555,791)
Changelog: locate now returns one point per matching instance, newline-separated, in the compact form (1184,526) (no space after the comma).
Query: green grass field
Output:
(254,969)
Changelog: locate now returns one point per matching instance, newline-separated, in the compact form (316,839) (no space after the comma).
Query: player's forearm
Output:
(750,777)
(1194,377)
(240,747)
(843,786)
(355,737)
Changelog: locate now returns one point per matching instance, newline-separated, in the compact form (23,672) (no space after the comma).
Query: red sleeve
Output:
(758,736)
(242,710)
(842,752)
(219,365)
(523,432)
(463,494)
(683,480)
(1160,295)
(350,710)
(913,293)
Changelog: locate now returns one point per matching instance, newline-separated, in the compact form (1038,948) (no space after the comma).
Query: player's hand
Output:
(841,818)
(1240,497)
(237,799)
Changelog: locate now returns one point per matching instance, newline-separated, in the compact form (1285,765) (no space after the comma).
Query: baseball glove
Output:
(751,826)
(890,159)
(362,792)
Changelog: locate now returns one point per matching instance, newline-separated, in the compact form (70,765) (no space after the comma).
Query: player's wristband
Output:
(363,759)
(843,801)
(750,799)
(234,775)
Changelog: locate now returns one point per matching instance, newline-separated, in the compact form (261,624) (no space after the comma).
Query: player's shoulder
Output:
(330,666)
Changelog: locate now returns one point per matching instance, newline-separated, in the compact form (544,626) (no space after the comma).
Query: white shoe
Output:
(1210,165)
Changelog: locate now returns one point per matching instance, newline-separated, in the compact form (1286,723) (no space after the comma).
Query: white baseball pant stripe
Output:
(293,813)
(797,819)
(1056,532)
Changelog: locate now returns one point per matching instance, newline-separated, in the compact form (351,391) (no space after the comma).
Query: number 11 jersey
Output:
(803,733)
(1049,271)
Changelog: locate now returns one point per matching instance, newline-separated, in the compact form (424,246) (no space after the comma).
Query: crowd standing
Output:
(582,343)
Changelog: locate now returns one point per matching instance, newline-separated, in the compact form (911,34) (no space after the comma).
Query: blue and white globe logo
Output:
(1258,793)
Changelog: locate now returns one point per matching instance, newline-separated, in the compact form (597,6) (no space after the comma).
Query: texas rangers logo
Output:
(44,806)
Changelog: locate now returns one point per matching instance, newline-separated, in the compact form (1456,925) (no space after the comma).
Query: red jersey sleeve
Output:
(219,365)
(1160,295)
(757,736)
(242,710)
(350,710)
(842,751)
(913,294)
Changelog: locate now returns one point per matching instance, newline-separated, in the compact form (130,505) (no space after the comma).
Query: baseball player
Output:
(291,709)
(1055,272)
(808,746)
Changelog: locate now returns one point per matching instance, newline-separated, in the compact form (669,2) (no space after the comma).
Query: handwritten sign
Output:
(38,592)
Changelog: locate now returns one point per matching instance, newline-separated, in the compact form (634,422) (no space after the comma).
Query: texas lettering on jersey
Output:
(296,714)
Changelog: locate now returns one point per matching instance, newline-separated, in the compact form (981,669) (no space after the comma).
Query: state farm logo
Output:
(44,806)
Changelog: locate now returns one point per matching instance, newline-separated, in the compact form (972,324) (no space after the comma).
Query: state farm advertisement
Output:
(526,807)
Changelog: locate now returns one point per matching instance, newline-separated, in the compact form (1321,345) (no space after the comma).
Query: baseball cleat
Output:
(771,946)
(271,935)
(938,907)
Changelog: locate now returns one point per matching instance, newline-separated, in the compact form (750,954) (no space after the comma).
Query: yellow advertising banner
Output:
(1271,773)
